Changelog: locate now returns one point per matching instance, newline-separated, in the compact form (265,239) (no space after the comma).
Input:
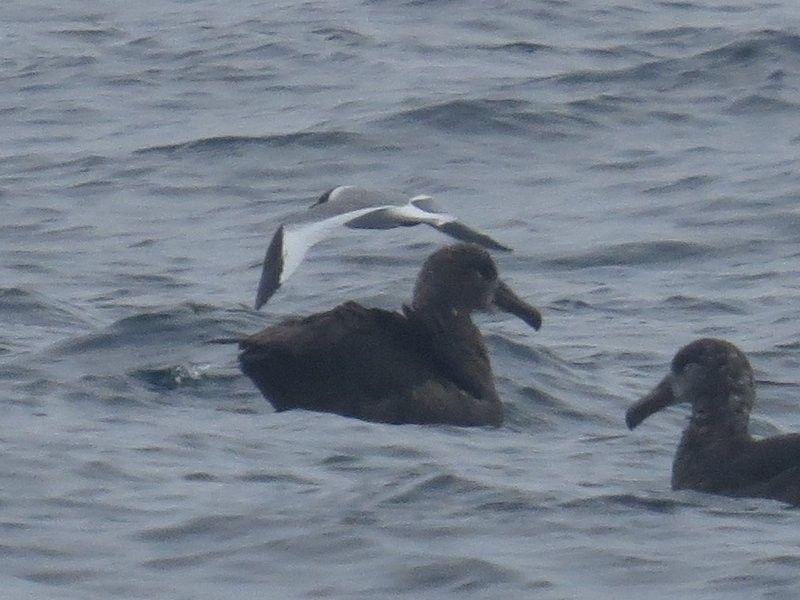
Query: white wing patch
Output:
(412,213)
(298,239)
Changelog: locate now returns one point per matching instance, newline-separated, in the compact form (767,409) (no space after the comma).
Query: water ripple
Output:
(635,253)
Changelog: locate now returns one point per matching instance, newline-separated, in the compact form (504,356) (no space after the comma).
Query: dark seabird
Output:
(428,364)
(354,208)
(716,453)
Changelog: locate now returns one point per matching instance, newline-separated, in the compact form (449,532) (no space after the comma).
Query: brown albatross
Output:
(428,364)
(716,452)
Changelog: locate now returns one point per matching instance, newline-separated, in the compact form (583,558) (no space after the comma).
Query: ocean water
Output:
(641,157)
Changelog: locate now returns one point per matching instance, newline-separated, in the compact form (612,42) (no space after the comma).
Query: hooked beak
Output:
(505,299)
(659,398)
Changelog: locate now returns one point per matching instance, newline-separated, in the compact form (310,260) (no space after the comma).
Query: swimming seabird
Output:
(428,364)
(355,208)
(716,453)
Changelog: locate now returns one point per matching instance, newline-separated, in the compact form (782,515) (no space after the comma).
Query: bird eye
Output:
(688,367)
(700,416)
(486,272)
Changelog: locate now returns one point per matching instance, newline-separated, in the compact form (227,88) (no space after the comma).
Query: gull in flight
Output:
(355,208)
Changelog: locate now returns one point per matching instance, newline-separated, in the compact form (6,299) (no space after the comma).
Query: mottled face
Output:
(714,376)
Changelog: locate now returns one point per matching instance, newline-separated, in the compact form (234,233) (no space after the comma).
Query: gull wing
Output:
(288,248)
(412,214)
(354,208)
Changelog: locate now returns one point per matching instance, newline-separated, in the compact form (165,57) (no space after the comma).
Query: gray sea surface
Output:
(641,157)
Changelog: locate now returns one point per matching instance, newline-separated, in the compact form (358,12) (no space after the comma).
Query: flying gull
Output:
(355,208)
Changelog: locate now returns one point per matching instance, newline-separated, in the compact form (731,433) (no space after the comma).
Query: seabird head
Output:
(712,375)
(463,277)
(337,193)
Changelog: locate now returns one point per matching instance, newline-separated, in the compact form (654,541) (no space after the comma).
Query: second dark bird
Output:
(716,453)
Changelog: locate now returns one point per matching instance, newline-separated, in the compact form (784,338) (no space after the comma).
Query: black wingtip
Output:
(271,271)
(225,340)
(325,197)
(463,233)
